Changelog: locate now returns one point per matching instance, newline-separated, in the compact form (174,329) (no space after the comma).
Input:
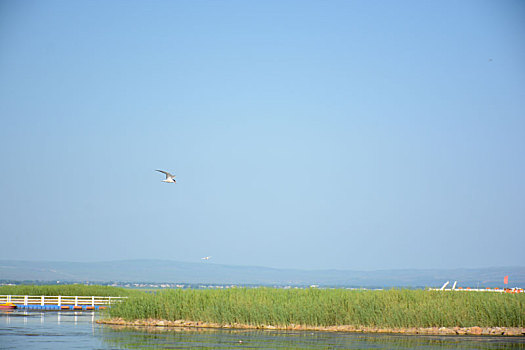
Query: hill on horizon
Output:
(156,271)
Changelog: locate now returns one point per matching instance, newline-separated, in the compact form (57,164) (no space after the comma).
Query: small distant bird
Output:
(169,177)
(206,258)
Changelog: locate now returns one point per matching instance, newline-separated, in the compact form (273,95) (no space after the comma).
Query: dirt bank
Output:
(506,331)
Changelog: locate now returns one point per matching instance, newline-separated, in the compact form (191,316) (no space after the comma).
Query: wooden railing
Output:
(60,300)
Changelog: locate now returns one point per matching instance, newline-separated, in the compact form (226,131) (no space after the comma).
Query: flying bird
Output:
(206,258)
(169,177)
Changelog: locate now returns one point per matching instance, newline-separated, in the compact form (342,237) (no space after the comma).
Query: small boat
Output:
(7,306)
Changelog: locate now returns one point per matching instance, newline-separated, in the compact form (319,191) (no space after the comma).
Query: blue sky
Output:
(304,134)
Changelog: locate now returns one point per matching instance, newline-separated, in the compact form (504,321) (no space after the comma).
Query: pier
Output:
(514,290)
(60,302)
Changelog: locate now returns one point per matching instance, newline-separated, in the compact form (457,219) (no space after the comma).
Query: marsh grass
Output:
(73,289)
(328,307)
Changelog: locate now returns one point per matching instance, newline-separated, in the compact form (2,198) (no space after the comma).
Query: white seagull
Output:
(169,177)
(206,258)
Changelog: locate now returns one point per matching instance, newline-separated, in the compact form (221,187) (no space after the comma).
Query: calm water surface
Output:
(78,330)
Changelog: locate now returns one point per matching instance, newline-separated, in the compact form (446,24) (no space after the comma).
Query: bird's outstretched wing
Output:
(165,172)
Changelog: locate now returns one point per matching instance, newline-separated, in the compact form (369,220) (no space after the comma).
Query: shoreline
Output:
(490,331)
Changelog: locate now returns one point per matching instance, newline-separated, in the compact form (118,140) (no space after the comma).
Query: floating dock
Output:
(60,302)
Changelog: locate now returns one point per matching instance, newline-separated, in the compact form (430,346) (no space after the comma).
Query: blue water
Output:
(78,330)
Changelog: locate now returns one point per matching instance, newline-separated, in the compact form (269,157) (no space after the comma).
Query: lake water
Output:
(78,330)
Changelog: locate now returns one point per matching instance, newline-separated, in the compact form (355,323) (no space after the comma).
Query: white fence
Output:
(60,300)
(459,289)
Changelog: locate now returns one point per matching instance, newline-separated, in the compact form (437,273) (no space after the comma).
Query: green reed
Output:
(69,289)
(328,307)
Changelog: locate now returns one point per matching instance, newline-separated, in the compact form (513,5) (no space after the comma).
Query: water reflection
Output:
(72,329)
(184,338)
(26,329)
(48,316)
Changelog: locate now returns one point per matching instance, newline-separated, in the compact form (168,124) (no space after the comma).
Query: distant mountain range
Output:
(158,271)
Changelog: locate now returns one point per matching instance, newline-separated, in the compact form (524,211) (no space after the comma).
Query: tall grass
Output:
(73,289)
(315,307)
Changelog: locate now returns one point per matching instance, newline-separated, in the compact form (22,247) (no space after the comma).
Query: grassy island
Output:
(327,307)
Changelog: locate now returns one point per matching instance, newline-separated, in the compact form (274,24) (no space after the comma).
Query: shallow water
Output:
(49,330)
(78,330)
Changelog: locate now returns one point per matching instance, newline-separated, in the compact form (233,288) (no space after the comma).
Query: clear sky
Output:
(304,134)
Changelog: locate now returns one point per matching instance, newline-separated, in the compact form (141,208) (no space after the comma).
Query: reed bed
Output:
(66,290)
(328,307)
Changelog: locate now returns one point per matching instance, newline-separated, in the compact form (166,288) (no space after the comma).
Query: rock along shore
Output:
(505,331)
